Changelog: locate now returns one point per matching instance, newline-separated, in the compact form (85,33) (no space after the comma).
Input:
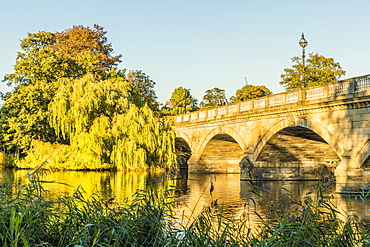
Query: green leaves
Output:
(46,61)
(68,92)
(250,92)
(213,97)
(145,86)
(143,140)
(182,101)
(318,70)
(100,122)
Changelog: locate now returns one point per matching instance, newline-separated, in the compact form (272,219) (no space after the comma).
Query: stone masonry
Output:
(305,134)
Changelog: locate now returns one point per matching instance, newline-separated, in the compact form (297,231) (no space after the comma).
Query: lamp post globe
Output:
(303,43)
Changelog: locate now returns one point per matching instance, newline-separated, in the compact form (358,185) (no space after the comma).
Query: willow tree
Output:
(104,123)
(142,140)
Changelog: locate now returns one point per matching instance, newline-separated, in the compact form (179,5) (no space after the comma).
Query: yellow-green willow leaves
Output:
(144,139)
(104,129)
(78,103)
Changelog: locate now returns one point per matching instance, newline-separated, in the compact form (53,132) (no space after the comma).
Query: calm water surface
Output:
(229,193)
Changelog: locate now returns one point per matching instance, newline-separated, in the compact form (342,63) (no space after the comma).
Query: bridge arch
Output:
(222,130)
(220,151)
(296,148)
(363,155)
(316,127)
(180,134)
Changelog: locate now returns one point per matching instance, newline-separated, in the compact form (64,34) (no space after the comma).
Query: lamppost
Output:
(303,43)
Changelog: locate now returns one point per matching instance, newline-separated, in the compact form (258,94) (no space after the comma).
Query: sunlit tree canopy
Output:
(182,101)
(250,92)
(145,86)
(318,70)
(213,97)
(70,101)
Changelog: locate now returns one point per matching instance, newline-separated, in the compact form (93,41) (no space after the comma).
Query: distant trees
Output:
(182,101)
(250,92)
(318,70)
(213,97)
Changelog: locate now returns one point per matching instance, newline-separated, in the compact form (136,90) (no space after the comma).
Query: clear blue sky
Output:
(202,44)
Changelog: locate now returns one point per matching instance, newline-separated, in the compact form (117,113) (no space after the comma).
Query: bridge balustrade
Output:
(362,83)
(291,98)
(348,88)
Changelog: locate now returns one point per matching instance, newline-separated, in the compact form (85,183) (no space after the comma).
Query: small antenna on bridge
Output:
(246,81)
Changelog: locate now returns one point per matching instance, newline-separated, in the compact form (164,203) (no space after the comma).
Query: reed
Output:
(29,217)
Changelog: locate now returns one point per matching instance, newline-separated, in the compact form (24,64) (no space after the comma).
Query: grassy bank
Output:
(28,217)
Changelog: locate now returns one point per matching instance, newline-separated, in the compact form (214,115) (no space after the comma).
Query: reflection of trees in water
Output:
(105,184)
(193,193)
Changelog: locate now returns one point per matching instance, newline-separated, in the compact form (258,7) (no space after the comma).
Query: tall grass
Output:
(28,217)
(311,221)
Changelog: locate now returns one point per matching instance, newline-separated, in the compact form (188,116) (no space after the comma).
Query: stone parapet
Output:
(304,97)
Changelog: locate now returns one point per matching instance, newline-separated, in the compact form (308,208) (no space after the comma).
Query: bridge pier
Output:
(350,177)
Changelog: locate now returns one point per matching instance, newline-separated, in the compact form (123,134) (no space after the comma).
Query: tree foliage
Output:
(142,82)
(105,129)
(73,52)
(70,99)
(250,92)
(213,97)
(37,62)
(318,70)
(25,115)
(45,59)
(182,101)
(86,48)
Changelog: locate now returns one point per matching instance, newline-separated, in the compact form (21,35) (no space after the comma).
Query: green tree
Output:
(87,50)
(213,97)
(142,82)
(25,115)
(73,52)
(70,100)
(37,62)
(46,58)
(103,128)
(182,101)
(318,70)
(250,92)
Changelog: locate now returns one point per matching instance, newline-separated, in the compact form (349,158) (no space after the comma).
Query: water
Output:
(233,196)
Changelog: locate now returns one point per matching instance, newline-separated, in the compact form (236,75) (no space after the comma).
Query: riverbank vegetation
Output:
(71,108)
(29,217)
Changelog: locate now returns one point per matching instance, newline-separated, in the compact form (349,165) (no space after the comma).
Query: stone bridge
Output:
(305,134)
